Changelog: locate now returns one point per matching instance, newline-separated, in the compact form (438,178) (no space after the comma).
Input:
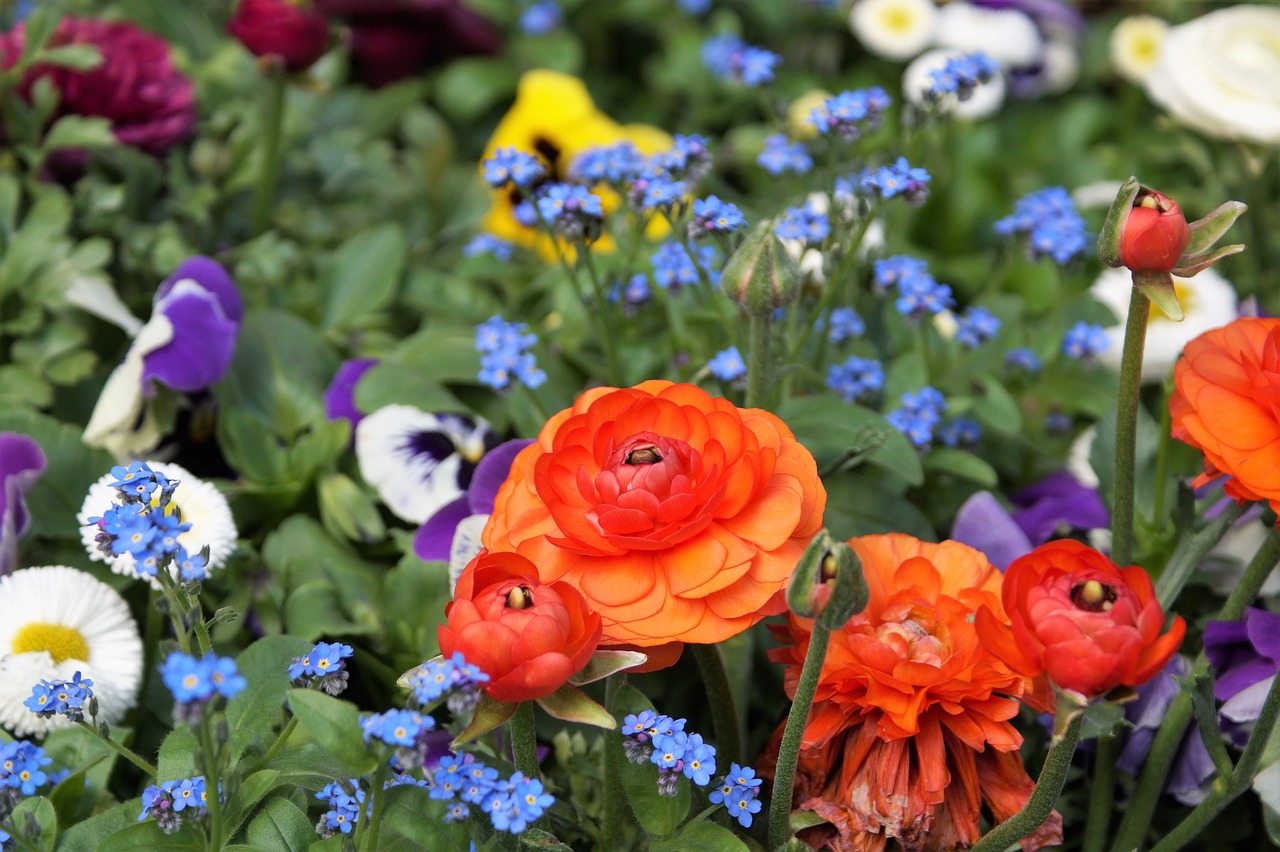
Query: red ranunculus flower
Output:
(1076,617)
(392,40)
(289,29)
(529,637)
(1155,234)
(149,103)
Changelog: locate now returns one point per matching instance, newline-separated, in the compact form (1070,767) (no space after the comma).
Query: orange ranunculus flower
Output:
(1227,386)
(909,733)
(678,515)
(529,637)
(1081,620)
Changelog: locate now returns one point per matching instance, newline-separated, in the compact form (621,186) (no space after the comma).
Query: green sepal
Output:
(604,663)
(1113,227)
(1071,705)
(1208,229)
(807,575)
(489,714)
(1158,287)
(760,275)
(850,595)
(1194,265)
(570,704)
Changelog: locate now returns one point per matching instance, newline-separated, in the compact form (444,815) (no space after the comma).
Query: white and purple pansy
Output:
(420,462)
(186,346)
(21,463)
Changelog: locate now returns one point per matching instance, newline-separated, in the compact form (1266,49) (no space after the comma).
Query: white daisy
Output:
(894,29)
(1006,35)
(1208,301)
(986,100)
(202,506)
(1135,46)
(420,462)
(56,621)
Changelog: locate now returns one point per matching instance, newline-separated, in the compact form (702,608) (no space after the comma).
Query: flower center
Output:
(61,643)
(519,598)
(912,641)
(1092,596)
(897,20)
(644,455)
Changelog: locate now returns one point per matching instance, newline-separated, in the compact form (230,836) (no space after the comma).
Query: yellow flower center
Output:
(61,643)
(897,20)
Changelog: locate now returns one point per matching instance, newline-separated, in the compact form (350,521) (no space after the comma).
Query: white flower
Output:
(1208,301)
(56,621)
(1135,46)
(1006,35)
(202,506)
(985,101)
(419,462)
(894,29)
(1098,194)
(1220,74)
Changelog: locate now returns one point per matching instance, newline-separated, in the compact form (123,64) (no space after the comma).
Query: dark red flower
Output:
(395,39)
(149,103)
(1155,234)
(293,31)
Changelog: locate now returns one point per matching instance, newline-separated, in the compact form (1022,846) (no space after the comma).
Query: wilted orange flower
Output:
(1225,404)
(678,515)
(909,734)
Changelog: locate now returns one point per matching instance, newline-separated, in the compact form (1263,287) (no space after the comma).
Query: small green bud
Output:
(760,276)
(347,511)
(827,583)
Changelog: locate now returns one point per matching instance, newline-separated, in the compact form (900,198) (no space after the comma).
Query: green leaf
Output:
(412,814)
(35,817)
(177,756)
(570,704)
(604,663)
(335,726)
(962,464)
(1100,719)
(703,836)
(78,57)
(657,814)
(542,841)
(363,275)
(467,88)
(489,714)
(280,827)
(256,711)
(856,506)
(246,798)
(74,131)
(834,430)
(147,835)
(996,408)
(91,834)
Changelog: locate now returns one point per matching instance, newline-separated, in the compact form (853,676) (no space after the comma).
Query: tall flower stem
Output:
(1102,798)
(724,714)
(122,750)
(784,778)
(1122,500)
(758,359)
(212,778)
(1168,739)
(1225,790)
(379,796)
(615,805)
(287,732)
(1043,797)
(524,740)
(264,196)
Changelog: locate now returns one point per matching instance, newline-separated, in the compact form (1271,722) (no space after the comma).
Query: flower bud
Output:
(1155,234)
(760,275)
(288,29)
(827,583)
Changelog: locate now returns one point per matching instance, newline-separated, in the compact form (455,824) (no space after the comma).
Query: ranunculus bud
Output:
(1076,617)
(1154,235)
(289,29)
(760,275)
(827,583)
(527,636)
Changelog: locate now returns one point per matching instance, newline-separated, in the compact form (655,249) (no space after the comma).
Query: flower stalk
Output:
(724,713)
(524,740)
(264,197)
(122,750)
(1135,336)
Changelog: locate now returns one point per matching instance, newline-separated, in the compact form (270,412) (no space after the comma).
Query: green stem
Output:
(714,296)
(1225,791)
(264,196)
(608,339)
(287,732)
(784,778)
(524,740)
(724,713)
(212,780)
(615,805)
(1102,799)
(1168,739)
(1043,797)
(1135,336)
(593,316)
(1191,552)
(1162,465)
(758,359)
(379,797)
(123,750)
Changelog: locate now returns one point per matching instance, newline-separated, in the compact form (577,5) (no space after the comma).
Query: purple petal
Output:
(434,538)
(210,275)
(1047,14)
(21,463)
(1059,499)
(1226,644)
(1263,628)
(1246,705)
(982,523)
(1191,770)
(204,339)
(1155,696)
(340,396)
(490,473)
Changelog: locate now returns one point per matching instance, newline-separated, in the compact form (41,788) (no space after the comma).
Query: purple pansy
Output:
(340,396)
(435,538)
(1052,507)
(21,463)
(202,304)
(1245,656)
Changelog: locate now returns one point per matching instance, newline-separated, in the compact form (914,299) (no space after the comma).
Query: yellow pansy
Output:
(554,117)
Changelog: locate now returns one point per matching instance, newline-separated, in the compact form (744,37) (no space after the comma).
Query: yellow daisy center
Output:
(61,643)
(897,20)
